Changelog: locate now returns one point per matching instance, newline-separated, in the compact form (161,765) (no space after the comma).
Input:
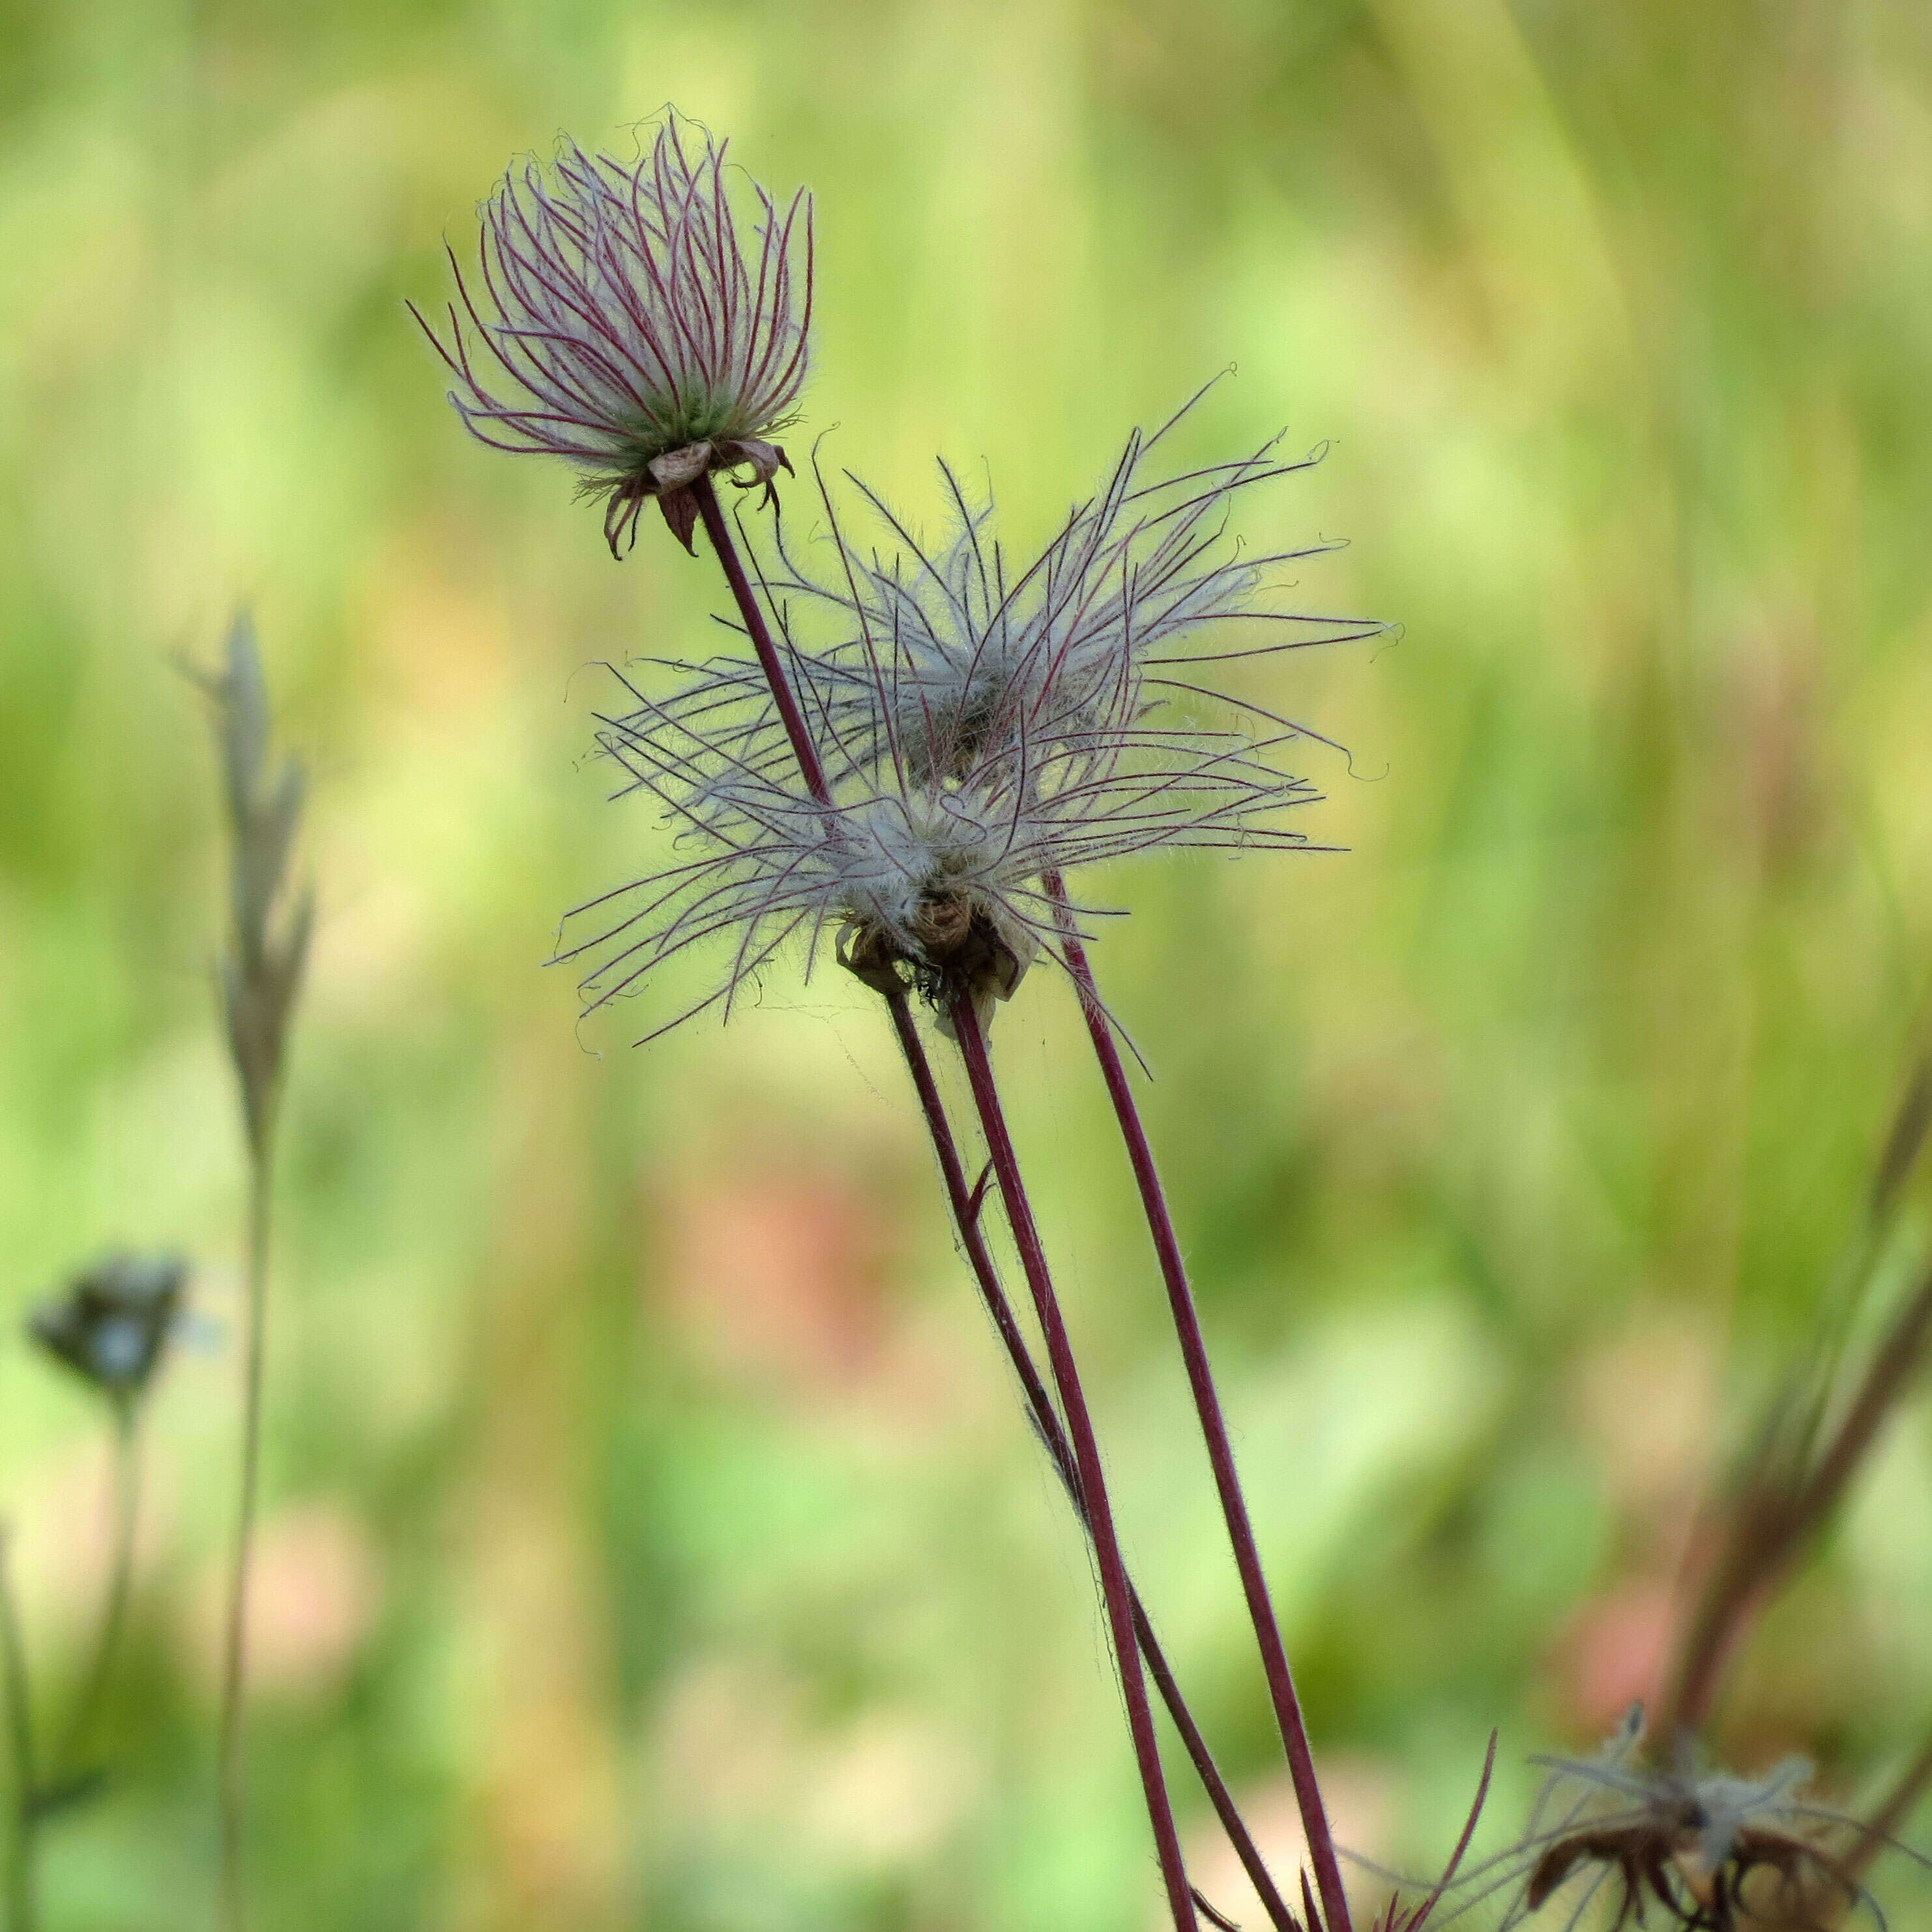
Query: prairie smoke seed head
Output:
(625,322)
(938,656)
(925,856)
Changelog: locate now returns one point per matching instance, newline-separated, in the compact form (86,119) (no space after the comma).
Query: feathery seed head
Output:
(1715,1852)
(979,730)
(983,648)
(625,322)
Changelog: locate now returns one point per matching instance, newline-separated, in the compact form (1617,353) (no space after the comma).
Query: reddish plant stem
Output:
(1113,1585)
(1046,1421)
(1880,1830)
(1213,1423)
(1090,1493)
(761,635)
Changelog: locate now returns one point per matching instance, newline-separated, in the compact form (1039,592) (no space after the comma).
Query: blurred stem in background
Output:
(20,1879)
(261,974)
(233,1766)
(1798,1471)
(1880,1830)
(110,1327)
(127,1485)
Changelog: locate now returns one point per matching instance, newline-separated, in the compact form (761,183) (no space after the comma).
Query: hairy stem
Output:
(966,1215)
(87,1705)
(233,1769)
(1213,1423)
(759,633)
(1087,1482)
(22,1916)
(1114,1585)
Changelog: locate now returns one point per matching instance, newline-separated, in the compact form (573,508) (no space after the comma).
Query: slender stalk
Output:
(22,1915)
(759,633)
(1052,1434)
(1089,1491)
(1113,1585)
(1881,1827)
(1774,1522)
(233,1757)
(1213,1423)
(1789,1485)
(120,1588)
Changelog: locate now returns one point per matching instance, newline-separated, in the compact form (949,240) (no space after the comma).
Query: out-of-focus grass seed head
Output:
(622,320)
(112,1325)
(270,920)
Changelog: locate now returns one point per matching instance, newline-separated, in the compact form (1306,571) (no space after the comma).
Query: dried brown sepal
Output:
(667,478)
(868,955)
(1763,1876)
(958,950)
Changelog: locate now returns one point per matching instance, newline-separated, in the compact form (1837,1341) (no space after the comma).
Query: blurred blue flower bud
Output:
(112,1325)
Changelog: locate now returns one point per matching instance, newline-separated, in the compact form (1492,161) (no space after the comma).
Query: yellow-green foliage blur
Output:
(651,1538)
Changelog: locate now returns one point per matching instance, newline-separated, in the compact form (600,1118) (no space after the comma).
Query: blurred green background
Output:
(651,1538)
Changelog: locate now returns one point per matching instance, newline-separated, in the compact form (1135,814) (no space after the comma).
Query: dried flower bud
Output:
(634,333)
(112,1325)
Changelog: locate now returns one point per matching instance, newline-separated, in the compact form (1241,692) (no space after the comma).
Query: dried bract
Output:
(113,1323)
(624,322)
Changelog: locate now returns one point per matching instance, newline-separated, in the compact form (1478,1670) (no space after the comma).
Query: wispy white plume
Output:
(982,725)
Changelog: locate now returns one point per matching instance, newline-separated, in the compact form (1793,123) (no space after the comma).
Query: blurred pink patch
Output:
(1647,1402)
(1361,1795)
(62,1545)
(785,1279)
(1612,1653)
(316,1591)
